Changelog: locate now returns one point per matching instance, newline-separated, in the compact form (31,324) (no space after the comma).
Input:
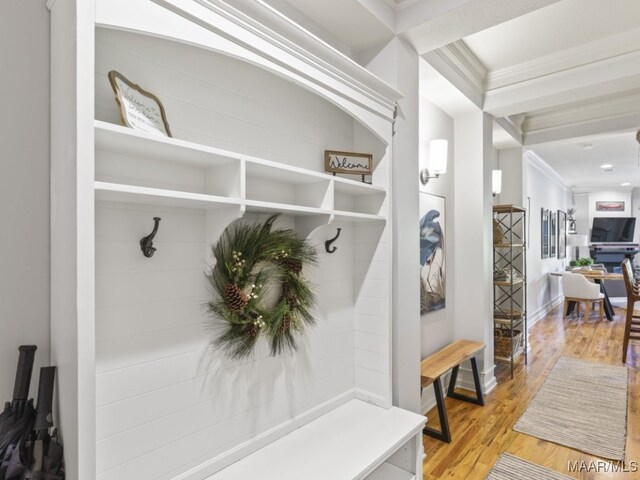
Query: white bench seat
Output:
(350,442)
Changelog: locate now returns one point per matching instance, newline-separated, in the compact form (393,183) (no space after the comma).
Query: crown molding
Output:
(397,6)
(620,104)
(543,167)
(593,189)
(587,53)
(466,66)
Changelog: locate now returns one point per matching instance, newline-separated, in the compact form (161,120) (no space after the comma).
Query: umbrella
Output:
(47,451)
(17,420)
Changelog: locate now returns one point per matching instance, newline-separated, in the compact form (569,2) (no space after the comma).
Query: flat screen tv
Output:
(613,229)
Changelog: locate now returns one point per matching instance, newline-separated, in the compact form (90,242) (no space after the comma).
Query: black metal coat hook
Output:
(327,244)
(146,243)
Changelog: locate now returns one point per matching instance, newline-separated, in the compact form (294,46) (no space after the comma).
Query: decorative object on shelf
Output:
(348,162)
(505,274)
(572,221)
(139,109)
(432,253)
(507,342)
(496,182)
(553,221)
(498,232)
(146,243)
(562,234)
(610,206)
(544,232)
(327,244)
(438,155)
(578,241)
(253,263)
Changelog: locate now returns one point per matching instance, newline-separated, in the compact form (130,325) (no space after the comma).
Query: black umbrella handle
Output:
(23,373)
(44,410)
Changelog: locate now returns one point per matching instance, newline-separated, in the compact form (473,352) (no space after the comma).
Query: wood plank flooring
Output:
(481,434)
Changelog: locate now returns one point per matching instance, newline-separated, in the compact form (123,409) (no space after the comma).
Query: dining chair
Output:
(577,288)
(632,323)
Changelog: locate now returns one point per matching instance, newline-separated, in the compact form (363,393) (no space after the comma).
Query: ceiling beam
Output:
(430,24)
(607,77)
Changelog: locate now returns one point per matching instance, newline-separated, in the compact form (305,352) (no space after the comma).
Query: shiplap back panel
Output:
(161,388)
(216,100)
(167,400)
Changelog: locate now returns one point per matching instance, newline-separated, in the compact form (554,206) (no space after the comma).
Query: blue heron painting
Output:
(432,267)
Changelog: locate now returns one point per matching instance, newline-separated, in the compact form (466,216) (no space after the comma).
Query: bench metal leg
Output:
(444,434)
(479,399)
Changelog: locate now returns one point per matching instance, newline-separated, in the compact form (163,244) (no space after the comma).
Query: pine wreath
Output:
(253,263)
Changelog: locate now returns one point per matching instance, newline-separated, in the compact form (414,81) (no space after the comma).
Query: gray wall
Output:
(24,185)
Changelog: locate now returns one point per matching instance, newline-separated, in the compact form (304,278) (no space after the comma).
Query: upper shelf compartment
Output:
(127,141)
(240,132)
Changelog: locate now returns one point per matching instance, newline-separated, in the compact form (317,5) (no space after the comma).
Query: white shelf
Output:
(281,173)
(356,188)
(258,206)
(355,217)
(124,140)
(127,141)
(387,471)
(115,192)
(351,441)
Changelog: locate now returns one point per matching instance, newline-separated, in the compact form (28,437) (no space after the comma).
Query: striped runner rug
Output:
(509,467)
(581,405)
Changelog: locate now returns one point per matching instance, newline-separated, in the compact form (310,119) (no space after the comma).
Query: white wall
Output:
(24,186)
(437,327)
(397,64)
(545,190)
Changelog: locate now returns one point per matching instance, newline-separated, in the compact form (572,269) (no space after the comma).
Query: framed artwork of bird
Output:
(432,253)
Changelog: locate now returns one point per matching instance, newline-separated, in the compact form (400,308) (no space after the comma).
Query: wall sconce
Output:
(496,182)
(437,160)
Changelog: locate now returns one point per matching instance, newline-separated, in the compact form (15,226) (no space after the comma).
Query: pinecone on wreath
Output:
(235,298)
(286,323)
(252,330)
(292,265)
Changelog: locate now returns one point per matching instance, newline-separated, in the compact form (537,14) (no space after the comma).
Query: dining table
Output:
(599,277)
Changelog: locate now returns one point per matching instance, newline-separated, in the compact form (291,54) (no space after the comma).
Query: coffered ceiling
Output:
(552,72)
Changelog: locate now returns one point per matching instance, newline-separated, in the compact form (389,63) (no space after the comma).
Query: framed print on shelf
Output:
(432,253)
(562,234)
(139,109)
(553,234)
(544,233)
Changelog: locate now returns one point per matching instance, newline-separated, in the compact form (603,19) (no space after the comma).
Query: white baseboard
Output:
(543,311)
(231,456)
(372,398)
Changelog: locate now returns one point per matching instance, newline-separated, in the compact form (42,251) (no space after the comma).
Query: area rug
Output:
(581,405)
(509,467)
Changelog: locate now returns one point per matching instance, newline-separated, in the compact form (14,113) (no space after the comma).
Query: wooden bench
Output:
(436,365)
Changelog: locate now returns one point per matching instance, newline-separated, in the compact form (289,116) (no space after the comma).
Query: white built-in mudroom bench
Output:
(253,102)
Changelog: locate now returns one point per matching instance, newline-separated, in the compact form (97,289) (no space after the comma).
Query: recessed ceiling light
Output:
(607,167)
(625,184)
(587,146)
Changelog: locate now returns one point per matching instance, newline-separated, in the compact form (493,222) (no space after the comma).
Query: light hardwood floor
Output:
(481,434)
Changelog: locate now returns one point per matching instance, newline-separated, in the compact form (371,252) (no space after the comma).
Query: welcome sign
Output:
(348,162)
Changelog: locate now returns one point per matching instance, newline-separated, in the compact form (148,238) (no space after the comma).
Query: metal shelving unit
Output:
(510,280)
